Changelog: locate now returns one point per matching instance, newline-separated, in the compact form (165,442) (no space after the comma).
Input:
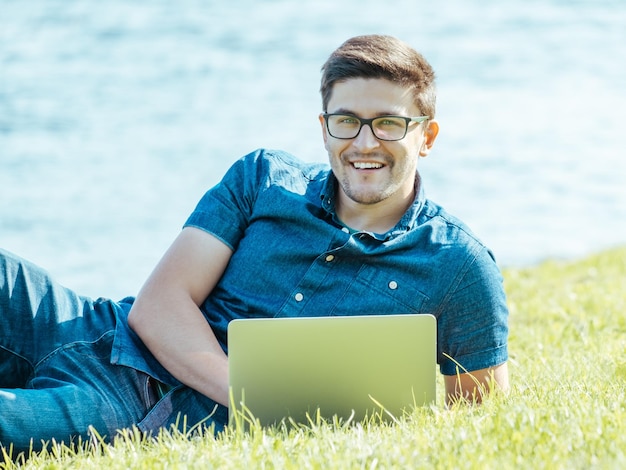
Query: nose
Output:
(366,140)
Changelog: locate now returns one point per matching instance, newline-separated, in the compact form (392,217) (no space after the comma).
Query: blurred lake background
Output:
(116,116)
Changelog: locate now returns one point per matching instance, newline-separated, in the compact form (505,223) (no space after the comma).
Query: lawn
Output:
(567,407)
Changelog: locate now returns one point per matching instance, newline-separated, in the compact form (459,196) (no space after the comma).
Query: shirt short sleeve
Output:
(225,210)
(473,319)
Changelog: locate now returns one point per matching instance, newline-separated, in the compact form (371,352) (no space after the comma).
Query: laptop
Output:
(352,367)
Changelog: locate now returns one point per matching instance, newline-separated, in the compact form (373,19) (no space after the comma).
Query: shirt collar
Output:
(329,191)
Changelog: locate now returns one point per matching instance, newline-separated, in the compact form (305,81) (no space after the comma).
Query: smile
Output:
(367,165)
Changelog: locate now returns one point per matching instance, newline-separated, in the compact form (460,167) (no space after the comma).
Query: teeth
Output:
(366,165)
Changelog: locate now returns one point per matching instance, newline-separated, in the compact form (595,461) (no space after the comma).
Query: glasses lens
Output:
(389,128)
(345,126)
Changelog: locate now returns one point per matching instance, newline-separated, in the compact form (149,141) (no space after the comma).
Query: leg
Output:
(37,316)
(74,389)
(56,379)
(55,371)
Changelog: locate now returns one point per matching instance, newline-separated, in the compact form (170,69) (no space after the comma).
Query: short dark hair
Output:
(378,56)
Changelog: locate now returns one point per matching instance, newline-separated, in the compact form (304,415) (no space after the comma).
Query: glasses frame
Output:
(368,122)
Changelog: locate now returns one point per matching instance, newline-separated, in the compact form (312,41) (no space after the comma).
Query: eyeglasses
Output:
(347,126)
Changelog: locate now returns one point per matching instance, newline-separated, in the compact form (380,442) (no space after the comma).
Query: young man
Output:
(276,237)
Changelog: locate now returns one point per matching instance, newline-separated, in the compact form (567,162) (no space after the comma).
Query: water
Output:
(116,116)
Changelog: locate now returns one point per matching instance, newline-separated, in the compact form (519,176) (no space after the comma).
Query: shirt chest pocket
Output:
(375,292)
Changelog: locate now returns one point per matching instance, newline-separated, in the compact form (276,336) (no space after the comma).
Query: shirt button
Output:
(299,297)
(393,285)
(329,258)
(345,229)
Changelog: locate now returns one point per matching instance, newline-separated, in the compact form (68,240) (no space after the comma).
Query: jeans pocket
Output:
(159,414)
(185,410)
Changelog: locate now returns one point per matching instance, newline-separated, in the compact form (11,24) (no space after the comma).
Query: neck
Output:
(377,218)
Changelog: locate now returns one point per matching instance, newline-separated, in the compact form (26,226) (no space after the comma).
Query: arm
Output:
(472,386)
(166,316)
(473,333)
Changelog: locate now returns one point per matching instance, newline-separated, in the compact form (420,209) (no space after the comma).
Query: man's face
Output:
(370,170)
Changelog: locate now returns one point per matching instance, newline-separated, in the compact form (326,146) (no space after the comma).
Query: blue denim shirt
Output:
(292,257)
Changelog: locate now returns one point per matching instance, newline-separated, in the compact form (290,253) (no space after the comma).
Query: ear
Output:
(324,131)
(430,135)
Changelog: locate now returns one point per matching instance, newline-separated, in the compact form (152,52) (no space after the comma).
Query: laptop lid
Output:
(344,366)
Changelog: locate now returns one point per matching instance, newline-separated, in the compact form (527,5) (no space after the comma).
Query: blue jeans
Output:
(56,378)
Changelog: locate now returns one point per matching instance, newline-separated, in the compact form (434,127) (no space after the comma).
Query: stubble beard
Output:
(372,195)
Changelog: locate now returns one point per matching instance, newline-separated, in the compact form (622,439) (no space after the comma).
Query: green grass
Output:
(567,408)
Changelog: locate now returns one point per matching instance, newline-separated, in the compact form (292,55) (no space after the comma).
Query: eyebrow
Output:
(352,113)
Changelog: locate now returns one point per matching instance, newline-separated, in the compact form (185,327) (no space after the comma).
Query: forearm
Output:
(179,337)
(167,318)
(473,386)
